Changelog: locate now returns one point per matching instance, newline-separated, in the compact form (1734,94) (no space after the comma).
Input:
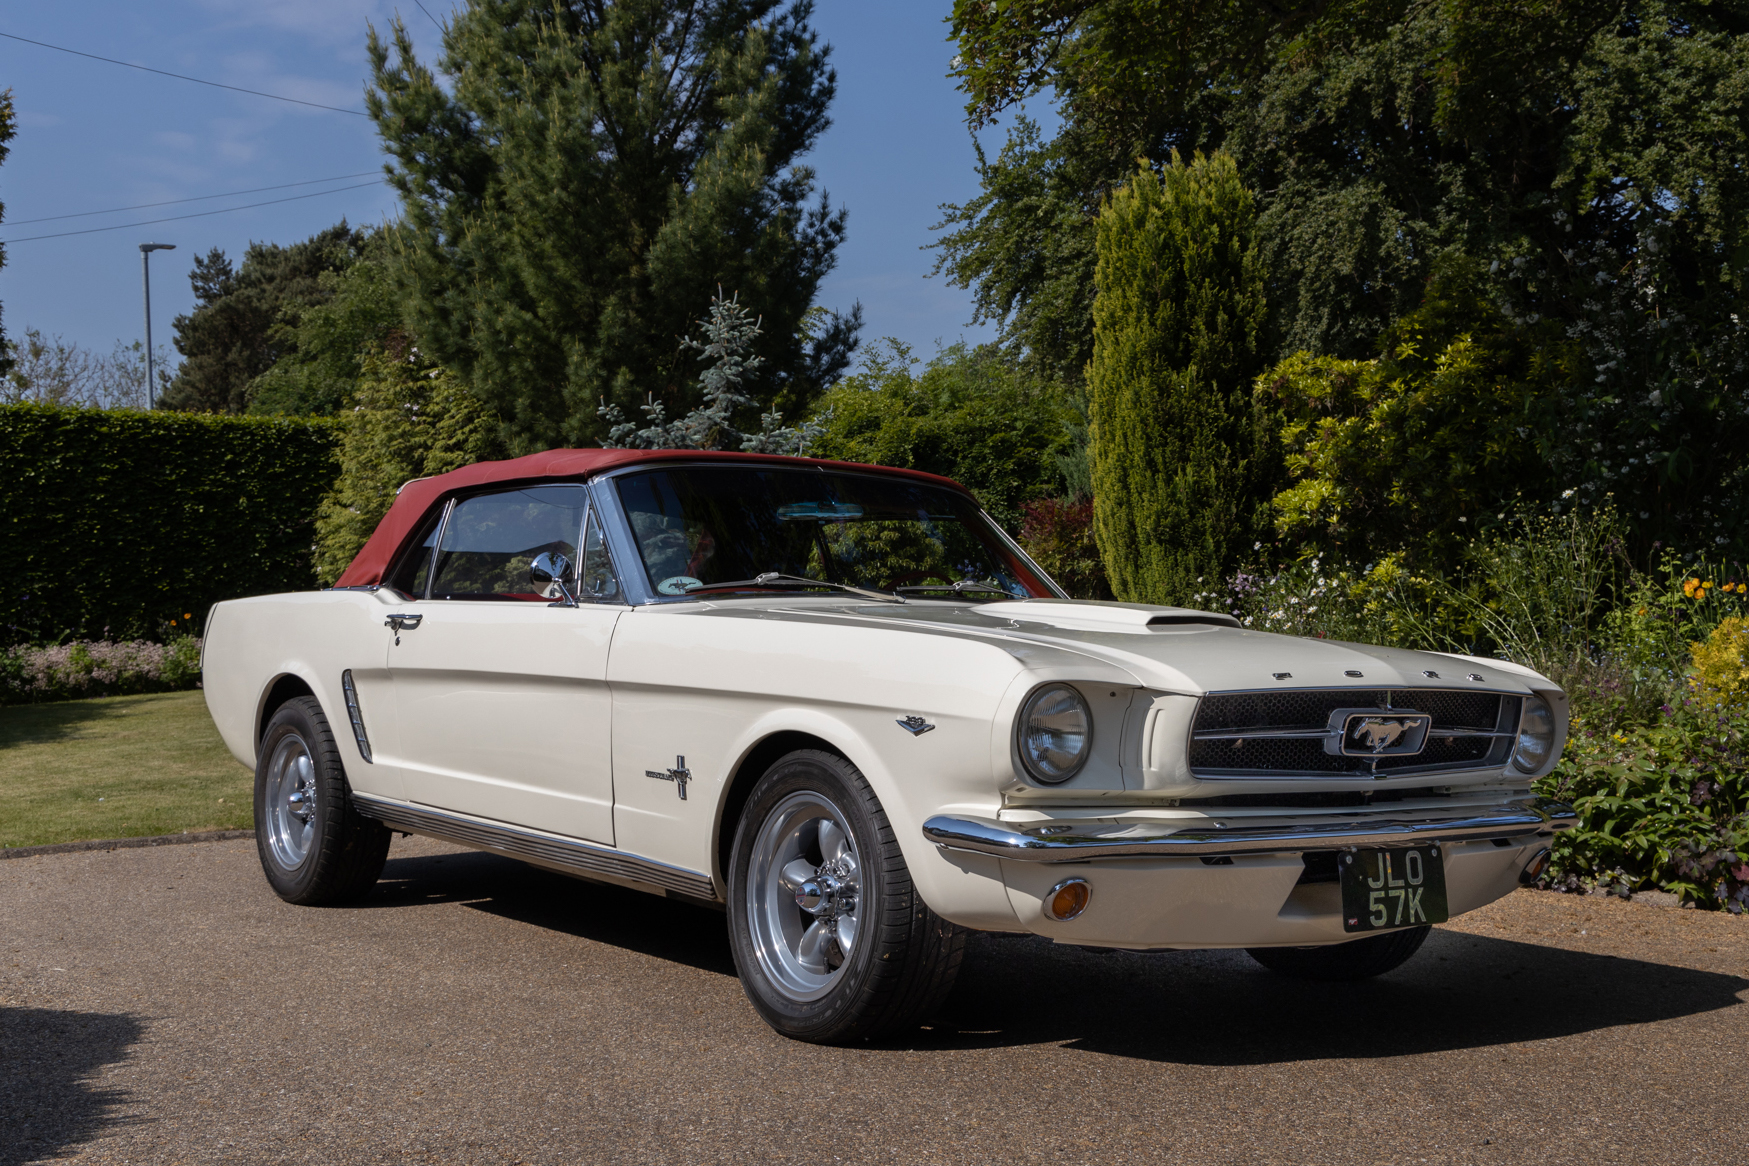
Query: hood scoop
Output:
(1086,614)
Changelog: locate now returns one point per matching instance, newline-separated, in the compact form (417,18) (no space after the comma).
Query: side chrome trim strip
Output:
(1081,842)
(355,716)
(568,854)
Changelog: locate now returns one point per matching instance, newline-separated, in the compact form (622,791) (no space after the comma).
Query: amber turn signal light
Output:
(1533,870)
(1068,899)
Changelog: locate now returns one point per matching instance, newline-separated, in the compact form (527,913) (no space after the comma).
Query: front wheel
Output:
(315,848)
(830,938)
(1359,959)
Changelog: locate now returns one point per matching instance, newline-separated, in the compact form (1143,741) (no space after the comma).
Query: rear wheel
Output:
(830,938)
(315,848)
(1359,959)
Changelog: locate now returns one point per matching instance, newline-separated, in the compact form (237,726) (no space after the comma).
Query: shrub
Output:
(1721,665)
(98,668)
(1660,806)
(1383,604)
(1059,537)
(119,521)
(1420,449)
(1178,450)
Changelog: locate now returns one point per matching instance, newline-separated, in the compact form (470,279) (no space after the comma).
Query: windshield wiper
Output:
(774,579)
(959,588)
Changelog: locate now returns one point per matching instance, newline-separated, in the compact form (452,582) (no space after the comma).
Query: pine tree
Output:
(586,167)
(1177,447)
(729,333)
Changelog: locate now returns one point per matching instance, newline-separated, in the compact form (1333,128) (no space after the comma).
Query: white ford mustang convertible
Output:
(839,703)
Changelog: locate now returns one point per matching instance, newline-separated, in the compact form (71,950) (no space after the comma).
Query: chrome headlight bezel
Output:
(1535,747)
(1053,753)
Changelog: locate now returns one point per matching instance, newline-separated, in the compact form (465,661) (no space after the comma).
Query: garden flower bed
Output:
(87,668)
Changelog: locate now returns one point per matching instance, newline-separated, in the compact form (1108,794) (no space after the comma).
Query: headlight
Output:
(1056,733)
(1536,736)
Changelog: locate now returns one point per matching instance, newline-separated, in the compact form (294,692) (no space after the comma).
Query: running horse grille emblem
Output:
(1378,732)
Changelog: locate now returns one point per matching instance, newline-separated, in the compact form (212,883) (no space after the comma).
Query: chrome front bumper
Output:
(1104,838)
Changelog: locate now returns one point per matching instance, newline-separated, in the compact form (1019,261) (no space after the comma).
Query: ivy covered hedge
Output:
(120,524)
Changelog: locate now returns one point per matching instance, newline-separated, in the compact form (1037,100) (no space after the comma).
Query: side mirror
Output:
(549,570)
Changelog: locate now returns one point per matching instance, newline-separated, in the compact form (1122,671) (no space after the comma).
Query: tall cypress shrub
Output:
(1178,450)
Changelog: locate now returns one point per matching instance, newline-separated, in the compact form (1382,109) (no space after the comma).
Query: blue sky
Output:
(94,136)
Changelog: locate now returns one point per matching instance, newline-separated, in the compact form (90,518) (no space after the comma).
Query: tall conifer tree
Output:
(1177,448)
(589,174)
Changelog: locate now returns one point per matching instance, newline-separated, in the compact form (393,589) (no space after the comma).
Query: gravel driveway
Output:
(160,1005)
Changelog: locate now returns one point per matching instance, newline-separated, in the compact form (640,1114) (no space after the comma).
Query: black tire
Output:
(904,957)
(1358,959)
(317,855)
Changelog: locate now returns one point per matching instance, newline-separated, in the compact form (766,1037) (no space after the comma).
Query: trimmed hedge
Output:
(118,524)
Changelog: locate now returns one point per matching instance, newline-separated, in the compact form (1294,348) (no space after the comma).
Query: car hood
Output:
(1165,648)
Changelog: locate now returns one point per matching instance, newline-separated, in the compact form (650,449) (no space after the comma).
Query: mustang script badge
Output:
(1378,732)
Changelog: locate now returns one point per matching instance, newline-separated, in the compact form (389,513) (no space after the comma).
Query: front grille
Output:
(1470,730)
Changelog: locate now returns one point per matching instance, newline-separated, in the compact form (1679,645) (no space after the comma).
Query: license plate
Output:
(1383,889)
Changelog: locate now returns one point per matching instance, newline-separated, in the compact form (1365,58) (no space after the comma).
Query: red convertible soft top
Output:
(418,496)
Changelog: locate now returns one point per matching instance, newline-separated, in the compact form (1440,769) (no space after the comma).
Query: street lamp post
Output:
(146,250)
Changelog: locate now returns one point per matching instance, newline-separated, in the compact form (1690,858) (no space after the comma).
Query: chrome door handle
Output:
(403,622)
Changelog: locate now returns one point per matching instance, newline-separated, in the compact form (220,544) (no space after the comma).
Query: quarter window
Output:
(598,580)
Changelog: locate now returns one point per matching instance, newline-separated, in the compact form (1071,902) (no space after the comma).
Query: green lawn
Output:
(116,767)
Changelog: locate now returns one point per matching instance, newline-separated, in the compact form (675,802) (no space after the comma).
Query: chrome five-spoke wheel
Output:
(803,891)
(290,802)
(315,846)
(831,940)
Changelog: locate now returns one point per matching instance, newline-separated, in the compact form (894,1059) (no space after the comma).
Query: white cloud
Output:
(175,140)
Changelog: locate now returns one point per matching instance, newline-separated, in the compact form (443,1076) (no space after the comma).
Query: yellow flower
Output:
(186,615)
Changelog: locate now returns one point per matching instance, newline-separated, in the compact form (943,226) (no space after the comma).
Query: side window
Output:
(598,580)
(491,540)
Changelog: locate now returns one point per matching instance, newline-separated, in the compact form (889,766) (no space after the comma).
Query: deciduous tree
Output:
(968,414)
(1591,155)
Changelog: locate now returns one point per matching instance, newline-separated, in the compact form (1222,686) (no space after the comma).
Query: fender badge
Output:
(679,775)
(914,725)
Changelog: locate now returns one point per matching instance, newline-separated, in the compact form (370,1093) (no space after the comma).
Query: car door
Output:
(501,694)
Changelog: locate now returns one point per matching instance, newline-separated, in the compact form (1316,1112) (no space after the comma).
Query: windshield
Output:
(702,525)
